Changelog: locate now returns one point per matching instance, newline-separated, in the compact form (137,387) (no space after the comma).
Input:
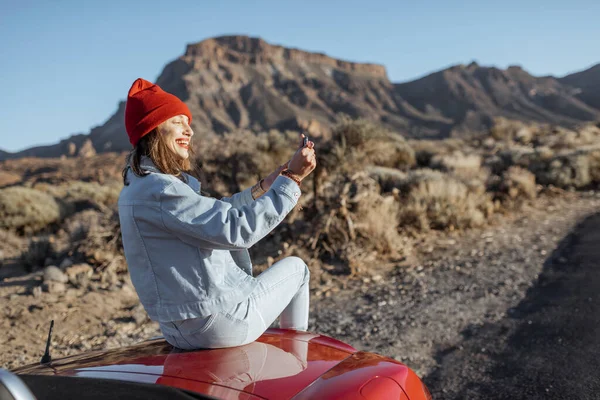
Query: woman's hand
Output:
(268,181)
(304,161)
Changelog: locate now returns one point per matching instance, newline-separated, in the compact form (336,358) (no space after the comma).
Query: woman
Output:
(187,253)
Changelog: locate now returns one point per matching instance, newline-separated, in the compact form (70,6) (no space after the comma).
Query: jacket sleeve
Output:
(240,199)
(210,223)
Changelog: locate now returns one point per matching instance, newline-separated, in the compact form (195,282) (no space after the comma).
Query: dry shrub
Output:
(573,169)
(559,138)
(513,131)
(358,223)
(376,222)
(27,209)
(425,150)
(77,191)
(392,154)
(387,178)
(456,161)
(39,249)
(80,226)
(518,183)
(516,155)
(356,143)
(576,169)
(416,177)
(356,132)
(238,159)
(566,158)
(438,201)
(95,237)
(11,244)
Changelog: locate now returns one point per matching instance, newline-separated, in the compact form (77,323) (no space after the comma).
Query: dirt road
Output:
(548,347)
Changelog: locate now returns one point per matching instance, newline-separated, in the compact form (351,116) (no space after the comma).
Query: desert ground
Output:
(484,285)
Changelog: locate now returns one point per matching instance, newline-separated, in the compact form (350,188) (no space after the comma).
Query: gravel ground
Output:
(435,312)
(545,348)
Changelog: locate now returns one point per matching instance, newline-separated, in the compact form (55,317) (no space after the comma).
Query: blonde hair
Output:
(154,146)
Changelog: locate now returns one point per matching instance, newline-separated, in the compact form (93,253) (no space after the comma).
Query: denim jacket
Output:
(187,253)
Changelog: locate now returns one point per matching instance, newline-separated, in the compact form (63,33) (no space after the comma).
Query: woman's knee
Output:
(300,264)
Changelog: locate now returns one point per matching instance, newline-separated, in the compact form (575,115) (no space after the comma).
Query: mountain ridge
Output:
(241,82)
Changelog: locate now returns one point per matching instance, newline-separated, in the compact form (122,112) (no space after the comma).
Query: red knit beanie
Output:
(148,106)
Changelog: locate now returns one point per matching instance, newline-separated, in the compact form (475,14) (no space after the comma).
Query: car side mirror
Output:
(13,388)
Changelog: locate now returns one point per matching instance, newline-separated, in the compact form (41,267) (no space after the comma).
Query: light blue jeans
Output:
(282,290)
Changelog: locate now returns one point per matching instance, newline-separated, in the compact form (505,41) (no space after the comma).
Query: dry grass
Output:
(387,178)
(106,194)
(566,158)
(425,150)
(27,209)
(558,138)
(376,221)
(11,245)
(456,161)
(572,169)
(9,178)
(370,198)
(357,143)
(513,131)
(575,169)
(514,186)
(39,250)
(238,159)
(437,201)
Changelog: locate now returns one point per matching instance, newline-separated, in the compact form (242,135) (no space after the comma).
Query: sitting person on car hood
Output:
(187,253)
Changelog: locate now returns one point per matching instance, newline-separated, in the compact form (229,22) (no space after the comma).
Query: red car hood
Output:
(278,365)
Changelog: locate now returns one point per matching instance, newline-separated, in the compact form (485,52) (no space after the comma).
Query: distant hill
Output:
(239,82)
(469,97)
(588,82)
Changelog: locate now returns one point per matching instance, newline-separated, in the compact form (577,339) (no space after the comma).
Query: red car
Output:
(281,364)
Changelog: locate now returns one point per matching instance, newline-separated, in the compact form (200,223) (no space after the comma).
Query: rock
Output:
(66,263)
(87,149)
(110,277)
(53,273)
(128,290)
(72,294)
(139,314)
(71,149)
(79,274)
(37,292)
(54,287)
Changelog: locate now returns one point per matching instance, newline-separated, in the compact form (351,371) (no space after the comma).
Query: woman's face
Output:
(177,134)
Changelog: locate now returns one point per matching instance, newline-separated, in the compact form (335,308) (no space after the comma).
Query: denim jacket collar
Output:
(147,164)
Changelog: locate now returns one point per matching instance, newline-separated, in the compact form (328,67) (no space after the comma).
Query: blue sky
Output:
(65,64)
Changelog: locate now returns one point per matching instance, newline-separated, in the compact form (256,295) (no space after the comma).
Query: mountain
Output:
(240,82)
(470,97)
(588,82)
